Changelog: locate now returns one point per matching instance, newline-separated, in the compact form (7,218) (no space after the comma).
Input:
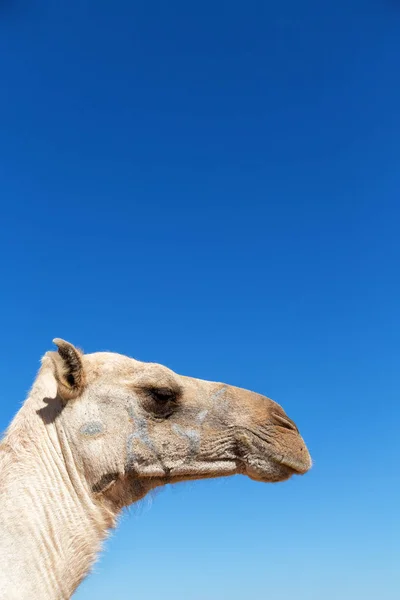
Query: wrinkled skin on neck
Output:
(133,426)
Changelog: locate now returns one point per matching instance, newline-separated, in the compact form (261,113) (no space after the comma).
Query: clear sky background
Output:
(215,186)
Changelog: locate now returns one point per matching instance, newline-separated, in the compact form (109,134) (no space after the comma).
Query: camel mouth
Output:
(268,460)
(274,470)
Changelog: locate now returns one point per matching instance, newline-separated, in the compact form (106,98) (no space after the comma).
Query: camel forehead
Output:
(109,361)
(118,366)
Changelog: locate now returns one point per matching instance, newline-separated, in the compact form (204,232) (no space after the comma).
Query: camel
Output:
(100,431)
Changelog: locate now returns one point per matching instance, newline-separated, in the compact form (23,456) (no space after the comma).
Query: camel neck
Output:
(50,528)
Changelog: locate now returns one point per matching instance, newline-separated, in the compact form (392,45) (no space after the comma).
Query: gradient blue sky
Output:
(215,186)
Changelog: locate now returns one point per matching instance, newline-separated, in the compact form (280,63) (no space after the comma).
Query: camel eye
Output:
(162,395)
(161,402)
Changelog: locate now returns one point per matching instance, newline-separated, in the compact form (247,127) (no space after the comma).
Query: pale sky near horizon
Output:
(215,186)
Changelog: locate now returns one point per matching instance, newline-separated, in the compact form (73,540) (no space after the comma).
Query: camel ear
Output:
(68,370)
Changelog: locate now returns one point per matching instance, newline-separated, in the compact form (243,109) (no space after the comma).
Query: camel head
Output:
(133,426)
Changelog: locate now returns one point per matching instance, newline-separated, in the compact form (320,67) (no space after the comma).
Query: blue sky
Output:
(215,186)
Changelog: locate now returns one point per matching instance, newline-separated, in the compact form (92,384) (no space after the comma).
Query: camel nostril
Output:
(284,421)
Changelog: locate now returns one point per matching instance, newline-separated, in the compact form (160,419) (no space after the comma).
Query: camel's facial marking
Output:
(191,436)
(201,416)
(141,434)
(218,393)
(220,403)
(140,437)
(92,428)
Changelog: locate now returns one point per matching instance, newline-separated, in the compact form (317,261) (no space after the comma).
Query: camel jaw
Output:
(265,470)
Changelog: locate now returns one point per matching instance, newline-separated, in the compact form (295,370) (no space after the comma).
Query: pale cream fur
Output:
(98,432)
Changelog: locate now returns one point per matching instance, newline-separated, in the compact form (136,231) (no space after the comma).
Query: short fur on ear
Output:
(69,373)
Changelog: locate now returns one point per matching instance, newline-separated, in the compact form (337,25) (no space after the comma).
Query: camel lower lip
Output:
(275,468)
(298,467)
